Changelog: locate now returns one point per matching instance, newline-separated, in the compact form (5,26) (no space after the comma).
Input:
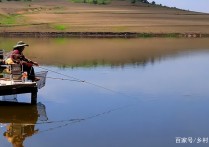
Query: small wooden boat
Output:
(13,81)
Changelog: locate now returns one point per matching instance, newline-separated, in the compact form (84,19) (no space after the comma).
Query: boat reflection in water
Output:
(20,120)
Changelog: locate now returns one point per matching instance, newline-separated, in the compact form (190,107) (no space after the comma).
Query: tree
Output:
(153,3)
(95,1)
(133,1)
(144,1)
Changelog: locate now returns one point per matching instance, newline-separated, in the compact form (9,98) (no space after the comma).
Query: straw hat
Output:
(19,44)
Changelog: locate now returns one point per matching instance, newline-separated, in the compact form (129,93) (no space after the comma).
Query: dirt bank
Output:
(102,34)
(119,16)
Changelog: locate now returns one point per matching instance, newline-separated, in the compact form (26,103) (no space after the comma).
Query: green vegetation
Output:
(92,1)
(59,27)
(172,35)
(10,19)
(145,35)
(142,1)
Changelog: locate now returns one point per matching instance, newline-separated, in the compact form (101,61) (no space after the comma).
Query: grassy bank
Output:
(12,19)
(116,17)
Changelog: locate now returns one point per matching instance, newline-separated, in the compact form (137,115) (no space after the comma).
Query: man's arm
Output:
(29,61)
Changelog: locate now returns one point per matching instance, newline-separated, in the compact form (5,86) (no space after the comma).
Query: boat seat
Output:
(13,71)
(1,62)
(1,56)
(16,72)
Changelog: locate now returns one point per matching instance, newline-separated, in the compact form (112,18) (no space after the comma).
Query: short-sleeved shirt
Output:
(17,56)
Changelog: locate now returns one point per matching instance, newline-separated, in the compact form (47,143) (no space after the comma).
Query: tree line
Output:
(143,1)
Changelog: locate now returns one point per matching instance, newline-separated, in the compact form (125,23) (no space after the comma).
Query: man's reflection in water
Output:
(22,121)
(17,133)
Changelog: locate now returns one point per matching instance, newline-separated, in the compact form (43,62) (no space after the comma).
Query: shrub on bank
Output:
(60,27)
(8,20)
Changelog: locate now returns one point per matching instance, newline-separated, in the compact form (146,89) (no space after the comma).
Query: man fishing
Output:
(18,57)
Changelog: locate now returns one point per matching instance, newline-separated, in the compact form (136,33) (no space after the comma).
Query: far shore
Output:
(101,35)
(120,18)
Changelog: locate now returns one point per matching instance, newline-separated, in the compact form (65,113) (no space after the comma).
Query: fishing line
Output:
(73,121)
(58,121)
(61,74)
(87,82)
(62,79)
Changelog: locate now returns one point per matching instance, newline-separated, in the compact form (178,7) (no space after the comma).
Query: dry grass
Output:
(116,17)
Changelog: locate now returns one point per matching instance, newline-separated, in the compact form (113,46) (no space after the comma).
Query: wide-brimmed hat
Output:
(19,44)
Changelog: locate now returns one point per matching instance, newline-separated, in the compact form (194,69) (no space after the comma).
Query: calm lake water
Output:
(137,92)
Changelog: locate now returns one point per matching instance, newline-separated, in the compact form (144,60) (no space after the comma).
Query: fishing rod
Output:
(61,74)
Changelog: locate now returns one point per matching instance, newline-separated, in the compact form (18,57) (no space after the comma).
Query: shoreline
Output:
(101,35)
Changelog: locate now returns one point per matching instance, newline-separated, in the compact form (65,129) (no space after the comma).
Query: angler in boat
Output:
(17,74)
(17,57)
